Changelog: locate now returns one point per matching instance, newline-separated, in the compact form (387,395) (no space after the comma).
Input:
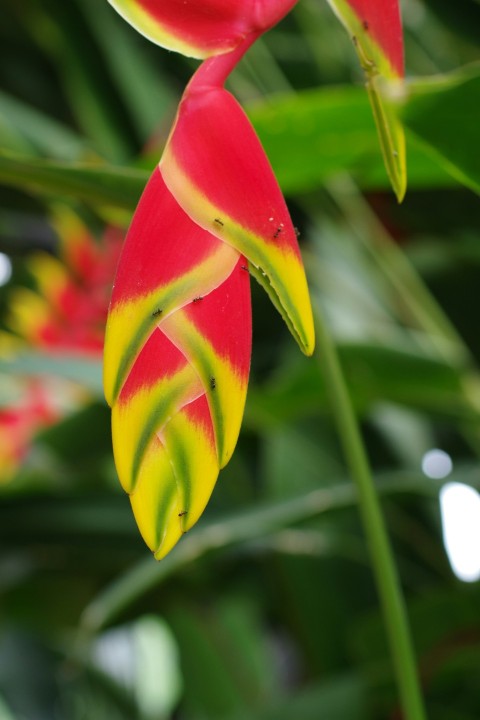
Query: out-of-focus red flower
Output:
(33,410)
(67,310)
(64,313)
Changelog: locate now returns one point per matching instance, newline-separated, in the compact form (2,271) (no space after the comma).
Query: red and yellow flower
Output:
(177,349)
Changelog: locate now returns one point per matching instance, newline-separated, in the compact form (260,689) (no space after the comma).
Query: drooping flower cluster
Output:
(177,350)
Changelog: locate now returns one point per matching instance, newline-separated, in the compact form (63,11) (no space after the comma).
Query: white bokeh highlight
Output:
(436,464)
(5,269)
(460,511)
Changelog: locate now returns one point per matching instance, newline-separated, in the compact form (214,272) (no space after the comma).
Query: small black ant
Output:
(197,299)
(156,313)
(218,222)
(181,514)
(213,383)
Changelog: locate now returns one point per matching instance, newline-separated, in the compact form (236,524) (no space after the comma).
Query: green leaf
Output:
(373,373)
(99,185)
(335,699)
(141,84)
(59,29)
(444,114)
(310,137)
(229,675)
(106,519)
(246,526)
(314,135)
(37,131)
(5,713)
(84,371)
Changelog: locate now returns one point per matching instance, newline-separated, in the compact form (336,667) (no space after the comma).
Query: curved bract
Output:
(217,170)
(197,28)
(201,28)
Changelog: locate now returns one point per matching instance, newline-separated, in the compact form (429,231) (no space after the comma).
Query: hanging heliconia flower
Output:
(178,341)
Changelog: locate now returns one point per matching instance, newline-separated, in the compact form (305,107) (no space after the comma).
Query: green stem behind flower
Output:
(384,569)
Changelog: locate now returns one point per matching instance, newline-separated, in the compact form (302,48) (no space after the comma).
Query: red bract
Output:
(217,170)
(201,28)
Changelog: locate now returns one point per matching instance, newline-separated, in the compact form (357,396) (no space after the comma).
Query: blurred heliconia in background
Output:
(34,408)
(178,341)
(66,310)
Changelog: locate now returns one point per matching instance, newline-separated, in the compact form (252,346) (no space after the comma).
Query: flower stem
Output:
(385,573)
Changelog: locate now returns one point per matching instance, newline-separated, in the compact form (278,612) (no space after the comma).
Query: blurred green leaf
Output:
(158,676)
(61,31)
(100,185)
(462,17)
(313,135)
(85,371)
(336,699)
(81,437)
(70,517)
(374,373)
(5,713)
(38,131)
(444,113)
(295,451)
(26,676)
(309,138)
(246,526)
(442,624)
(144,89)
(230,672)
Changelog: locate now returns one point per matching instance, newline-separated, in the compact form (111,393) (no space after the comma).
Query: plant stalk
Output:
(388,585)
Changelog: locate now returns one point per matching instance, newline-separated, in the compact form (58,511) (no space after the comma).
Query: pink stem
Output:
(214,71)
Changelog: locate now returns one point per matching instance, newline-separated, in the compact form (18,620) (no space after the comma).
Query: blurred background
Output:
(267,610)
